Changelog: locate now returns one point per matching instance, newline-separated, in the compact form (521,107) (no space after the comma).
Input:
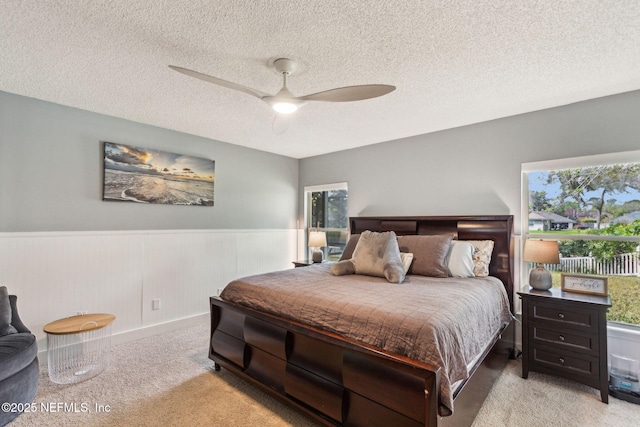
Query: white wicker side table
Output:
(78,347)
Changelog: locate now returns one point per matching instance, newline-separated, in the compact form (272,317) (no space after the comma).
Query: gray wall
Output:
(51,175)
(51,168)
(474,169)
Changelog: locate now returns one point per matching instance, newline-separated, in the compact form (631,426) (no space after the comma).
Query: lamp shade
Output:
(317,239)
(541,251)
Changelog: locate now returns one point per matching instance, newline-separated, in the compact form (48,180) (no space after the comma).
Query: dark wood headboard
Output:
(498,228)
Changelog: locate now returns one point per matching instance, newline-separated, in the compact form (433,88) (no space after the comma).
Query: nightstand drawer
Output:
(563,339)
(570,364)
(561,314)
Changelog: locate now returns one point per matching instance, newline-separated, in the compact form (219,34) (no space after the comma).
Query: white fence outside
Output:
(619,265)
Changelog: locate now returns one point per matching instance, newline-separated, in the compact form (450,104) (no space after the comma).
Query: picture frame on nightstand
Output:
(584,283)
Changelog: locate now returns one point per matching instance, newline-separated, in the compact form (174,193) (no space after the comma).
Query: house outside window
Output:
(545,221)
(326,209)
(591,206)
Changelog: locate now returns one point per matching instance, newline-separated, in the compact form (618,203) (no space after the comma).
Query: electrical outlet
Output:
(155,304)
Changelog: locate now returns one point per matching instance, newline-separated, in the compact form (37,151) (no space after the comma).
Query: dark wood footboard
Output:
(333,380)
(330,379)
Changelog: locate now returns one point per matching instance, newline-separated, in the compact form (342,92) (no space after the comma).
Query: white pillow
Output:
(460,259)
(406,258)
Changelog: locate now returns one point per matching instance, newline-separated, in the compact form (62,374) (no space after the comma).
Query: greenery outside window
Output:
(591,206)
(326,209)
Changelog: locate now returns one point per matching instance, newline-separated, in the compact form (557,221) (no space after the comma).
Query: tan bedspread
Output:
(443,322)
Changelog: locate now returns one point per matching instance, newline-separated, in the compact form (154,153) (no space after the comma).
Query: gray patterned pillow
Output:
(481,256)
(377,254)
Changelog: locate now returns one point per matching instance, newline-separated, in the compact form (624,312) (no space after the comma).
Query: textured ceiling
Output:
(454,62)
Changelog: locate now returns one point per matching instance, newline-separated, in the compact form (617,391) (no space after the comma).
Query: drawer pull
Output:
(561,337)
(561,315)
(561,359)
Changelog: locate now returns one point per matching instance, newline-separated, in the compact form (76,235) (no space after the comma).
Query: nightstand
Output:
(565,334)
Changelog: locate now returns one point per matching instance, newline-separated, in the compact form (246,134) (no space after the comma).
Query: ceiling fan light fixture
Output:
(284,102)
(285,107)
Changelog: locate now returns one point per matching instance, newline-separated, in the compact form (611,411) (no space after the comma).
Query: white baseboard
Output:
(136,334)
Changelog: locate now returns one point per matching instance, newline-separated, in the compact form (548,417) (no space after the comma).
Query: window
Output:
(326,210)
(591,206)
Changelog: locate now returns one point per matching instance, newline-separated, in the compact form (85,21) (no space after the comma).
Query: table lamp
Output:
(541,252)
(317,240)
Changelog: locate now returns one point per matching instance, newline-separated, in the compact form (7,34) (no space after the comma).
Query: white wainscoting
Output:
(58,274)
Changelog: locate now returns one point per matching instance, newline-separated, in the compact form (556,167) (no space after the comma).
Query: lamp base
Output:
(317,256)
(540,278)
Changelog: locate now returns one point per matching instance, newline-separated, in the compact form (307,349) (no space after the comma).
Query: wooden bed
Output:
(337,381)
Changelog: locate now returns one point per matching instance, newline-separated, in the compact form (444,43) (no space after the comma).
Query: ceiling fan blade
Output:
(220,82)
(281,123)
(350,93)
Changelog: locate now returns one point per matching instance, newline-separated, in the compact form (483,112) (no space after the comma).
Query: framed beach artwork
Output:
(142,175)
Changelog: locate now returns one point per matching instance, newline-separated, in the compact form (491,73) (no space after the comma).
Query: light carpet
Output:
(169,380)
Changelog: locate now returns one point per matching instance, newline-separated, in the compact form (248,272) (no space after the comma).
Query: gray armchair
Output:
(18,364)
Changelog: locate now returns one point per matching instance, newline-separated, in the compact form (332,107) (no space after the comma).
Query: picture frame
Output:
(584,283)
(150,176)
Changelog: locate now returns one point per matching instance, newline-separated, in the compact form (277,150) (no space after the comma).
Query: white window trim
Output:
(326,187)
(584,161)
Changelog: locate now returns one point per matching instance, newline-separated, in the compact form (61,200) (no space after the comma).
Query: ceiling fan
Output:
(284,102)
